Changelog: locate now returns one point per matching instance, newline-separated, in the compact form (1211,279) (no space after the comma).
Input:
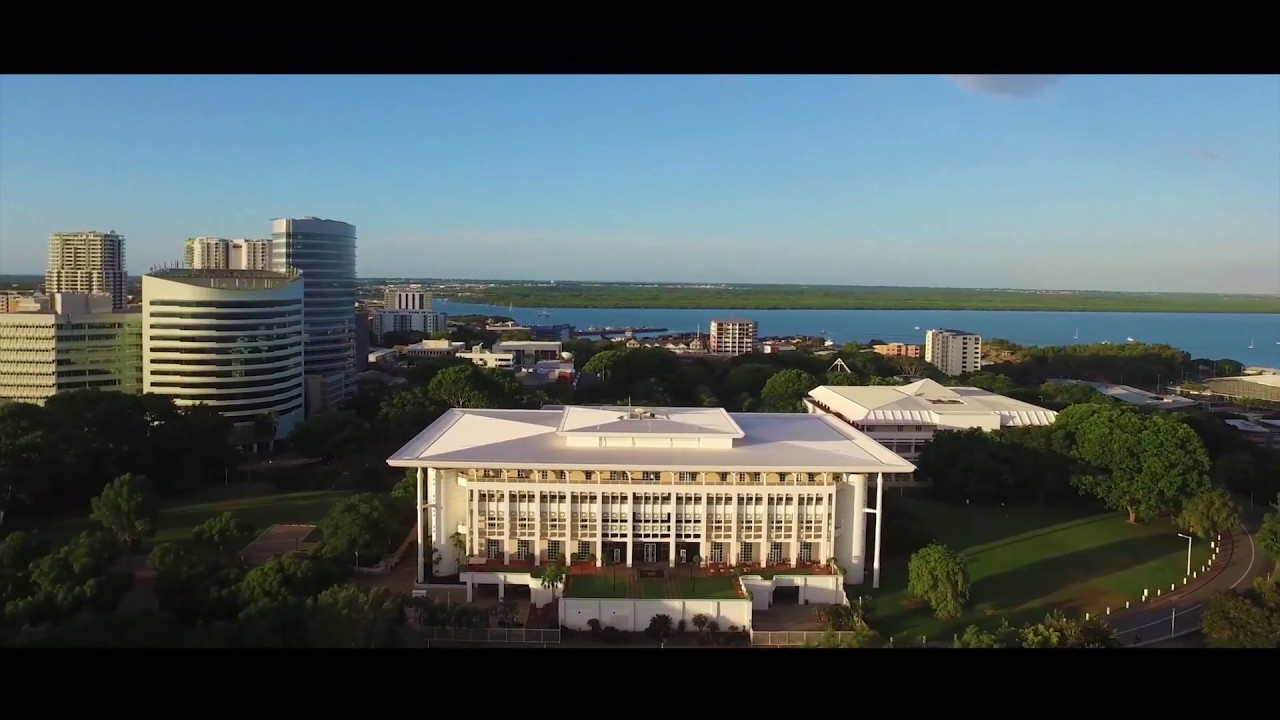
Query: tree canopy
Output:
(128,509)
(940,577)
(1141,464)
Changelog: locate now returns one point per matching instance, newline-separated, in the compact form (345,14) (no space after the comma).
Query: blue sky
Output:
(1106,182)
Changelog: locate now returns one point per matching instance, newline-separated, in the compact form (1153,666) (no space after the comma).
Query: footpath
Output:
(1178,613)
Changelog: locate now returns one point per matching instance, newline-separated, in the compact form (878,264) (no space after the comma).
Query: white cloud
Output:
(1011,85)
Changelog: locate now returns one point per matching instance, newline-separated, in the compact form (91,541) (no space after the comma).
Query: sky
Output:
(1136,183)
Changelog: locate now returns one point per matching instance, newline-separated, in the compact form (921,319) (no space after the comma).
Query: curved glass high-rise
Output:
(325,252)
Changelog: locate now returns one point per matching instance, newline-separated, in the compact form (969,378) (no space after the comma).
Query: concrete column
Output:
(422,532)
(536,545)
(673,524)
(765,534)
(734,519)
(631,526)
(599,510)
(502,588)
(875,566)
(856,570)
(704,542)
(474,544)
(795,531)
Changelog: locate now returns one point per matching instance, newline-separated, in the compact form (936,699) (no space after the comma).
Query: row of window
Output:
(746,551)
(644,476)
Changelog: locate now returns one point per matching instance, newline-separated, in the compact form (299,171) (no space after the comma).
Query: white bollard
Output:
(1086,617)
(1126,604)
(1194,574)
(1173,586)
(1186,580)
(1158,593)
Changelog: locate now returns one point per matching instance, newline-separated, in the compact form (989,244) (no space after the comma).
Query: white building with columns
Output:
(639,486)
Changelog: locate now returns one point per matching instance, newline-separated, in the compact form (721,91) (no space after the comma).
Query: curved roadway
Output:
(1182,616)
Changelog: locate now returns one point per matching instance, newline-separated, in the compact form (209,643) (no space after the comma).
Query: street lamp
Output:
(1188,537)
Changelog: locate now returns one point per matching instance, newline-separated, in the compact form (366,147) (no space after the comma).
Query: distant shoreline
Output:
(934,308)
(810,298)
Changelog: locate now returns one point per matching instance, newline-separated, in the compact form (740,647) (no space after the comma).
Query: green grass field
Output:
(822,297)
(1024,563)
(247,501)
(605,587)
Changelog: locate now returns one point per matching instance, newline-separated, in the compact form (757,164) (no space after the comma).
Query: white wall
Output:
(634,615)
(851,527)
(814,589)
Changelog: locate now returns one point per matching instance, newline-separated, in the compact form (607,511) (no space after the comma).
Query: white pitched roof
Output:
(929,403)
(536,439)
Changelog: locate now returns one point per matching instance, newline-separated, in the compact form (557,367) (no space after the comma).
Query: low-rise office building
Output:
(661,485)
(434,348)
(898,349)
(527,353)
(904,418)
(78,342)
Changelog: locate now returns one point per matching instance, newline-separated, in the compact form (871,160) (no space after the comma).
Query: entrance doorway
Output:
(650,553)
(617,556)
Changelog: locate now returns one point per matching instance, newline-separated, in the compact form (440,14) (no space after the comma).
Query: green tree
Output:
(940,577)
(330,434)
(19,549)
(1235,470)
(1005,636)
(553,575)
(290,579)
(1209,513)
(784,391)
(367,524)
(227,534)
(22,449)
(1269,534)
(837,378)
(128,509)
(460,386)
(1058,631)
(347,616)
(602,362)
(1141,464)
(196,587)
(1250,619)
(79,576)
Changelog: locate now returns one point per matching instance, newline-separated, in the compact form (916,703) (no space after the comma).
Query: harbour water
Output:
(1202,335)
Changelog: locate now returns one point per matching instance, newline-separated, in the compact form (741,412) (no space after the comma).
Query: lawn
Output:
(1025,562)
(596,586)
(247,501)
(708,588)
(605,587)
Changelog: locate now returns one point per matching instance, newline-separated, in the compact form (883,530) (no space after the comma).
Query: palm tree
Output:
(553,576)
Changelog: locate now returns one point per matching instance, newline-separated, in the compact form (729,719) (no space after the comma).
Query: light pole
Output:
(1188,537)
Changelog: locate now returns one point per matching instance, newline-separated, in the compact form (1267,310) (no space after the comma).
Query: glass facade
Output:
(325,252)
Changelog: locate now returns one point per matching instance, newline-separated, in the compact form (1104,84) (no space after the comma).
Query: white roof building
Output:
(904,418)
(930,403)
(649,485)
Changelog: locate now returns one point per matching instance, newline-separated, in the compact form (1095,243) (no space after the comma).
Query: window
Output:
(562,474)
(493,549)
(806,552)
(745,552)
(804,477)
(688,477)
(525,549)
(555,548)
(717,552)
(775,553)
(584,550)
(646,476)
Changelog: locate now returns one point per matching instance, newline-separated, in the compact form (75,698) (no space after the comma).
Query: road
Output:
(1183,615)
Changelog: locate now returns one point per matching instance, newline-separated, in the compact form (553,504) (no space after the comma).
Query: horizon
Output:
(730,285)
(1073,183)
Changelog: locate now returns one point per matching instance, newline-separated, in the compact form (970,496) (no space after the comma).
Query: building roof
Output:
(1132,395)
(927,402)
(545,439)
